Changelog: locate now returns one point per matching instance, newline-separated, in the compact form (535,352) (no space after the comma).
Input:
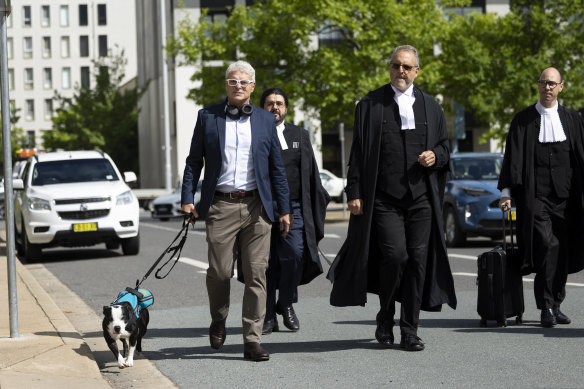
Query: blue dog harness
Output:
(137,298)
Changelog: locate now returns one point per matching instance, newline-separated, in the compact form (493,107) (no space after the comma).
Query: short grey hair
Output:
(406,48)
(241,66)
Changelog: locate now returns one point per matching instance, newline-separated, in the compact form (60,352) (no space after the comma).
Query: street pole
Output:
(167,162)
(7,149)
(342,139)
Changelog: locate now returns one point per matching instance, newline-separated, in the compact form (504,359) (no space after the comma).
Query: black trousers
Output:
(285,266)
(403,233)
(551,265)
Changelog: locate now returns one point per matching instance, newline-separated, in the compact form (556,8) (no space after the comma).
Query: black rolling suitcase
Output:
(500,286)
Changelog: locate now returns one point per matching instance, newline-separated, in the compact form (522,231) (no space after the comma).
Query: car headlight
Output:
(38,204)
(125,198)
(476,192)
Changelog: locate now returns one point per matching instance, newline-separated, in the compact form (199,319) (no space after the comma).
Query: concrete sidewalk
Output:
(49,352)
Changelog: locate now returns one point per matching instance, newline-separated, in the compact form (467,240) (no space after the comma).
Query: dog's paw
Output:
(121,362)
(129,362)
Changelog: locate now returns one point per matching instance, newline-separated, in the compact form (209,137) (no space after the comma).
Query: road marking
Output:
(200,265)
(175,230)
(525,279)
(334,236)
(462,256)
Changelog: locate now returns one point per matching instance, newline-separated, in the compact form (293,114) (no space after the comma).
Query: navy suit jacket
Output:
(207,150)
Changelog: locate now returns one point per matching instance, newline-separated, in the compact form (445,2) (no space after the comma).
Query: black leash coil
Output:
(172,250)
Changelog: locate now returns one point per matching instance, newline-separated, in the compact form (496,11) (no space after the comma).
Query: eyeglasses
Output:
(407,68)
(551,84)
(274,103)
(234,82)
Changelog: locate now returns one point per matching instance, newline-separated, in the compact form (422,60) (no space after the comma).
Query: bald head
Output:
(549,86)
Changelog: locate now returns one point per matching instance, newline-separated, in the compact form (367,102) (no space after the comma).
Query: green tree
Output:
(491,64)
(17,137)
(104,117)
(279,38)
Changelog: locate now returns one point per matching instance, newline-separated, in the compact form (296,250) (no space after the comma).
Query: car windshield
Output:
(478,168)
(73,170)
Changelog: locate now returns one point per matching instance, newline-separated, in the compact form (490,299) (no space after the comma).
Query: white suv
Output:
(73,199)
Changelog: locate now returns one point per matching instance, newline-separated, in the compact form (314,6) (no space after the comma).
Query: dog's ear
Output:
(107,310)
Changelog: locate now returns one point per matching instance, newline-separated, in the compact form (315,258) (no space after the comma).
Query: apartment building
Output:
(51,45)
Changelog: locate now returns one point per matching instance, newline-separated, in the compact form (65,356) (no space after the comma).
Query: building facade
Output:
(51,46)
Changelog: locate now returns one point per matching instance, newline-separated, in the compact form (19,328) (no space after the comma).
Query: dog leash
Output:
(172,250)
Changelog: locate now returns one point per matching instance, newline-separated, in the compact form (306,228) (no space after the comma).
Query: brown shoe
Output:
(254,352)
(217,334)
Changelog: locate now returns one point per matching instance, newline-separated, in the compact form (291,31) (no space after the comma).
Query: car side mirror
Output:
(17,183)
(130,177)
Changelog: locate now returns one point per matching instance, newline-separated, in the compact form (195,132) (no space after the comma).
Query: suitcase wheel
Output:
(483,323)
(502,323)
(519,319)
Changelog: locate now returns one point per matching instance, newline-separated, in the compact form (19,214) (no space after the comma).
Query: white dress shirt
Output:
(405,101)
(237,171)
(280,129)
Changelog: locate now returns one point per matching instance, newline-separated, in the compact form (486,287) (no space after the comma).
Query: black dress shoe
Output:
(548,319)
(253,351)
(217,334)
(289,317)
(561,318)
(411,343)
(270,326)
(384,331)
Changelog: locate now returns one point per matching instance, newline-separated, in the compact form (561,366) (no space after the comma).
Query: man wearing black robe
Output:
(395,243)
(294,259)
(543,171)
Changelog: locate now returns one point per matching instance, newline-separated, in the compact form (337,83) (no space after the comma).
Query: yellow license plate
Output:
(511,215)
(84,227)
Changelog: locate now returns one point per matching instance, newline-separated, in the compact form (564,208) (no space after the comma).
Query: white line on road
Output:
(525,279)
(335,236)
(200,265)
(462,256)
(175,230)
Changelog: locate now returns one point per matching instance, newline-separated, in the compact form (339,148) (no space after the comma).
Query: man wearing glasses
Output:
(543,172)
(395,184)
(238,145)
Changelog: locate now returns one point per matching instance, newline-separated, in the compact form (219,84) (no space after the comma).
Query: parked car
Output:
(334,185)
(168,206)
(471,198)
(72,199)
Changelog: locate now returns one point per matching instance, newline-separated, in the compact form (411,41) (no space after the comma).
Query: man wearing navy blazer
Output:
(238,145)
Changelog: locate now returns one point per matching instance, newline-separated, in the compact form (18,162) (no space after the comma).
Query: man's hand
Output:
(190,209)
(427,158)
(505,204)
(355,206)
(285,224)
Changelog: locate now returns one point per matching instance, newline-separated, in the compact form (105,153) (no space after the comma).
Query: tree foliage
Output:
(104,117)
(17,137)
(488,63)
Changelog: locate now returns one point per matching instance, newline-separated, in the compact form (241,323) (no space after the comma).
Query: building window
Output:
(46,47)
(84,46)
(28,79)
(85,76)
(29,109)
(64,15)
(102,45)
(101,15)
(48,78)
(65,47)
(46,16)
(66,78)
(30,139)
(11,79)
(26,17)
(27,48)
(83,14)
(48,109)
(9,48)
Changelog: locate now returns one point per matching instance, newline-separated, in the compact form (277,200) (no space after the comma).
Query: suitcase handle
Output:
(510,231)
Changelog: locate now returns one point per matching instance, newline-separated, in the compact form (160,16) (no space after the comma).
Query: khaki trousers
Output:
(243,222)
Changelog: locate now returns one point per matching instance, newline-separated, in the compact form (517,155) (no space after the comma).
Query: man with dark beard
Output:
(294,258)
(395,185)
(543,172)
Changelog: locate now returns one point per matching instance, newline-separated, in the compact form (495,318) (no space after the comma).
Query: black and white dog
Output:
(123,322)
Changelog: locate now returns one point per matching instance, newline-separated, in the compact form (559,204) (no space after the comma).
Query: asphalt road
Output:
(335,347)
